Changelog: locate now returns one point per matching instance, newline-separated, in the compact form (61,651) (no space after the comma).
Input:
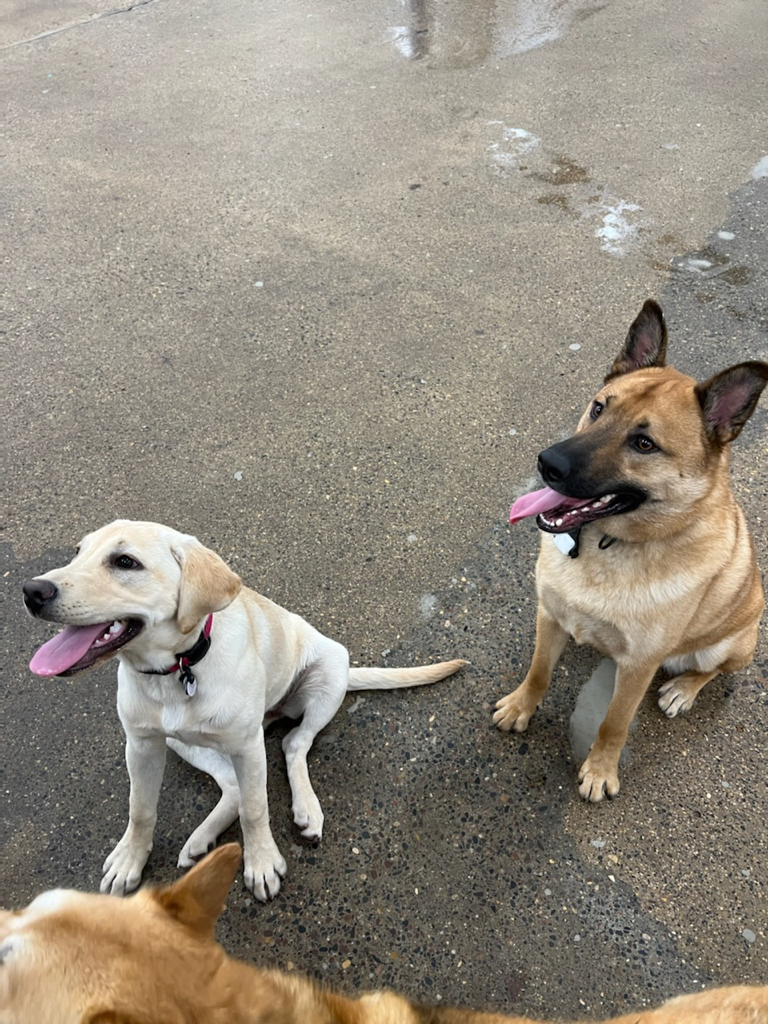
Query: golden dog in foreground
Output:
(77,958)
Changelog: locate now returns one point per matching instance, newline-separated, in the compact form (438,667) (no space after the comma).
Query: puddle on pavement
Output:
(528,24)
(591,706)
(708,262)
(462,34)
(563,172)
(554,199)
(736,275)
(616,222)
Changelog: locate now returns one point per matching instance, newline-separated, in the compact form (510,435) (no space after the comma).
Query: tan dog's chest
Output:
(614,601)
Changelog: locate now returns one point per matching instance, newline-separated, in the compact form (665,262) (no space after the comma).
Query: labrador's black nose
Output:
(37,594)
(554,466)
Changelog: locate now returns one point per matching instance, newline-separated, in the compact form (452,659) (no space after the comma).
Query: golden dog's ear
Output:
(198,898)
(729,398)
(646,343)
(207,584)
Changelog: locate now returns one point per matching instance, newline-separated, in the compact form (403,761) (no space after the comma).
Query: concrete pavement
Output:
(317,284)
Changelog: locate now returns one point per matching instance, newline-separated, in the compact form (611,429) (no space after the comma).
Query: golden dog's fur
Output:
(669,582)
(75,958)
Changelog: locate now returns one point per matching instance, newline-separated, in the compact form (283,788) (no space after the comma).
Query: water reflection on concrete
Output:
(464,33)
(453,33)
(591,706)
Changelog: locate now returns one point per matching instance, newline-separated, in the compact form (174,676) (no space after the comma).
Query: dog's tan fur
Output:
(679,587)
(264,662)
(75,958)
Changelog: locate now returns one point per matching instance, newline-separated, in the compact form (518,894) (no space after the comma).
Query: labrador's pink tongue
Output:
(65,649)
(535,502)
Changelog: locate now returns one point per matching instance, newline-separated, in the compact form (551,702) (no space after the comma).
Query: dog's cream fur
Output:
(76,958)
(263,663)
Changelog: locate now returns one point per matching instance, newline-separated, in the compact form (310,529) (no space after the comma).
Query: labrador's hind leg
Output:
(322,691)
(217,765)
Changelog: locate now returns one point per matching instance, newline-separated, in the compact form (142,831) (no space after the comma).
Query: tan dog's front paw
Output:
(599,777)
(513,712)
(263,872)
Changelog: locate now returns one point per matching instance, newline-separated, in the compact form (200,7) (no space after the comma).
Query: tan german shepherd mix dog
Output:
(662,567)
(76,958)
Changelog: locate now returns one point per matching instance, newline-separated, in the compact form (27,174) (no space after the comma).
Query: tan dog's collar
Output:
(572,549)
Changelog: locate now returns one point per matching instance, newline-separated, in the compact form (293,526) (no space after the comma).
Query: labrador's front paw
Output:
(263,871)
(308,816)
(200,843)
(123,867)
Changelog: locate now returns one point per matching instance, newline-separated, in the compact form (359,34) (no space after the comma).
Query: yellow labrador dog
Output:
(204,663)
(645,553)
(73,958)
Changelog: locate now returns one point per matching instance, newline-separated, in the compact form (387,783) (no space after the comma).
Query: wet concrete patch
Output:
(451,34)
(589,711)
(518,153)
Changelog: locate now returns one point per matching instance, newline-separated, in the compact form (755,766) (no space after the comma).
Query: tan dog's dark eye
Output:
(644,444)
(597,408)
(126,562)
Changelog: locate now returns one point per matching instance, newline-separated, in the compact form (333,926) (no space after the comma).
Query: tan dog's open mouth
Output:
(77,648)
(557,513)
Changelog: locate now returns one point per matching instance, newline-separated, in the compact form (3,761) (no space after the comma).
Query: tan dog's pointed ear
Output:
(198,898)
(646,343)
(729,398)
(207,584)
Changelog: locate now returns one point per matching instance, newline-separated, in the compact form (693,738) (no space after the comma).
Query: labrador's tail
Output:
(394,678)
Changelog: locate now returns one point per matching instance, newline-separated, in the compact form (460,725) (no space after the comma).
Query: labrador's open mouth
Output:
(77,648)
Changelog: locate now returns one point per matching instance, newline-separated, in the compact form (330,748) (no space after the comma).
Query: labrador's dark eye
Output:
(644,444)
(126,562)
(597,408)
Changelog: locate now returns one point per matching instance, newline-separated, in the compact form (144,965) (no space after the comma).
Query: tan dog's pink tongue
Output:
(535,502)
(66,649)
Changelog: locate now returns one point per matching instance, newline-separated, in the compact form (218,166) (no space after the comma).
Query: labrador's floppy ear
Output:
(207,584)
(198,898)
(729,398)
(646,342)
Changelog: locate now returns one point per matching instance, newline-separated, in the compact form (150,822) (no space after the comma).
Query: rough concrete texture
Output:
(308,281)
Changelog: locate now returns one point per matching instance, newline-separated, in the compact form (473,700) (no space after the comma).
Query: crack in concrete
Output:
(77,24)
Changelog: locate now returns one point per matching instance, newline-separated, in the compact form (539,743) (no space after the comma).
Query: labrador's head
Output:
(127,580)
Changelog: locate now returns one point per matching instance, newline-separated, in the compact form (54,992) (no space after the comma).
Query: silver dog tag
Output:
(190,686)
